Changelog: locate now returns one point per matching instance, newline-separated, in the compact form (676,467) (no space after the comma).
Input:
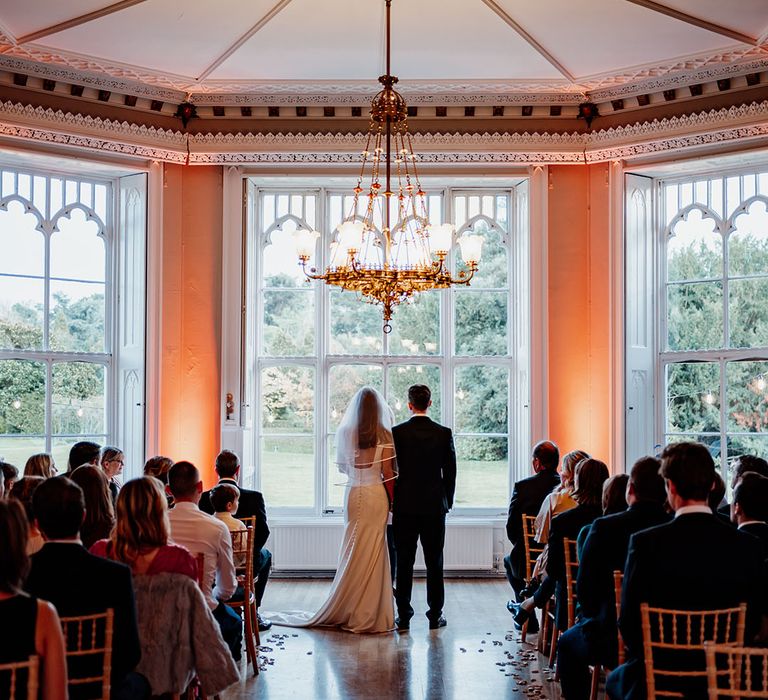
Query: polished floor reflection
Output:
(476,656)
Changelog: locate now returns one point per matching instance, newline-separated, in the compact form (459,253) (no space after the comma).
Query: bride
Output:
(361,594)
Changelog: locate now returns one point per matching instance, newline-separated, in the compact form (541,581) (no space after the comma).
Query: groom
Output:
(426,463)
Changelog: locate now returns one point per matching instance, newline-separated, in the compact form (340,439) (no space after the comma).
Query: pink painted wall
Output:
(191,315)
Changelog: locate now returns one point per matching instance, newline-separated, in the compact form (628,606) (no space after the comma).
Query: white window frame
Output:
(515,361)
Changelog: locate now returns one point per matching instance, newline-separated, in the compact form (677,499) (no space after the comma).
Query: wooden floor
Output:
(477,656)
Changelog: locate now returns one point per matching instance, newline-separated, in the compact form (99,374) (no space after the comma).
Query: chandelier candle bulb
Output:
(471,248)
(304,240)
(440,238)
(351,236)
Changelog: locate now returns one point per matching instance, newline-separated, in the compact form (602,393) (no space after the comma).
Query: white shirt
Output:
(687,510)
(203,534)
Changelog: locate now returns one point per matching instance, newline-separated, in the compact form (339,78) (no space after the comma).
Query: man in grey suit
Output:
(426,462)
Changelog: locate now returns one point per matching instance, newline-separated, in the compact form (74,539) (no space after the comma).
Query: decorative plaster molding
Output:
(746,122)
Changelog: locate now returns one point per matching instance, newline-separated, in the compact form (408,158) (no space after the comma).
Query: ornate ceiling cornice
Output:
(746,122)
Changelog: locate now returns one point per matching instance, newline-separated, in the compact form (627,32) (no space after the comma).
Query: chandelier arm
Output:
(311,272)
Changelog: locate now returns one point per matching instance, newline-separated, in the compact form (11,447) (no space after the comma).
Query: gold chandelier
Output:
(388,268)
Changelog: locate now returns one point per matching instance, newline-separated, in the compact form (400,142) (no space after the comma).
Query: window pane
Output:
(748,312)
(748,244)
(480,323)
(693,397)
(695,316)
(416,326)
(288,471)
(747,400)
(79,398)
(356,327)
(756,444)
(22,245)
(344,381)
(288,395)
(482,474)
(482,396)
(77,251)
(289,323)
(21,313)
(400,377)
(492,269)
(336,480)
(695,249)
(22,397)
(77,317)
(16,450)
(280,265)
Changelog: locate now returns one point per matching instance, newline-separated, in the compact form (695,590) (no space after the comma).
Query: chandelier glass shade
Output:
(406,254)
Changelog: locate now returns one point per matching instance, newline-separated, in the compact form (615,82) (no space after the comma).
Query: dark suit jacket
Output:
(79,583)
(759,530)
(527,497)
(605,551)
(695,562)
(426,468)
(251,505)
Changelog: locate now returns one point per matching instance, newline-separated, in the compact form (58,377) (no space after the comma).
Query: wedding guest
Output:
(158,467)
(615,494)
(112,460)
(561,498)
(750,506)
(40,464)
(591,474)
(201,533)
(84,452)
(99,512)
(24,492)
(79,583)
(527,497)
(594,638)
(35,623)
(695,562)
(10,475)
(744,464)
(142,532)
(251,505)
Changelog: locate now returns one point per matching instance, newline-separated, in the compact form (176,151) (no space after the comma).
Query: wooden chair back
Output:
(571,573)
(242,555)
(9,679)
(532,548)
(618,580)
(88,640)
(736,672)
(677,636)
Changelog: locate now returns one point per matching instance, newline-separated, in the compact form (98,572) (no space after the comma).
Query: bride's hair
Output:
(369,427)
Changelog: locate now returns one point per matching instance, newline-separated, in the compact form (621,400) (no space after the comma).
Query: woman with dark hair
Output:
(23,492)
(112,460)
(360,599)
(615,494)
(591,474)
(31,626)
(142,531)
(40,464)
(99,512)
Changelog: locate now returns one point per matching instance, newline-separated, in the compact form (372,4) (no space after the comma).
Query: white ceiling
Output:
(239,45)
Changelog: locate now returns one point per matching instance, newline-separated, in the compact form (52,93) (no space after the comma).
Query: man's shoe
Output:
(264,625)
(440,622)
(402,623)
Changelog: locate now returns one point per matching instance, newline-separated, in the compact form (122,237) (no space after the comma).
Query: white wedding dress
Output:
(360,599)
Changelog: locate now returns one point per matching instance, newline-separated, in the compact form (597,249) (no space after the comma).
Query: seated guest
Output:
(24,491)
(112,460)
(744,464)
(31,627)
(224,499)
(591,474)
(201,533)
(84,452)
(78,583)
(695,562)
(593,639)
(527,497)
(614,501)
(142,531)
(251,505)
(561,498)
(40,464)
(158,467)
(99,512)
(750,506)
(10,475)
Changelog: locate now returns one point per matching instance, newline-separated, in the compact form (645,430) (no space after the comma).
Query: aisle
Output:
(475,656)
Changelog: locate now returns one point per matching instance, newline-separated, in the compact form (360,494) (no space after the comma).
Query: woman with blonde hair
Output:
(40,464)
(561,498)
(112,460)
(142,530)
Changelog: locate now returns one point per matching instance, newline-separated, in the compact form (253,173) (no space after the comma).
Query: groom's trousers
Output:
(408,530)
